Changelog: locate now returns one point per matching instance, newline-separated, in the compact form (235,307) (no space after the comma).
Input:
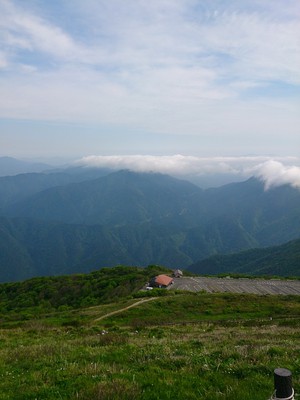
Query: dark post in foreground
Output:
(283,385)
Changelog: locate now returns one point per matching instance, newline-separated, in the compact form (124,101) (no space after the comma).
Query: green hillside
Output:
(281,260)
(74,291)
(171,345)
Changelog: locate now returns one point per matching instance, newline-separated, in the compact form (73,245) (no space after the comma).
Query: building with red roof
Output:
(161,281)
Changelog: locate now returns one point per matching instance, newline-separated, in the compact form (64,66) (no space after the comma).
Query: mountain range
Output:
(80,220)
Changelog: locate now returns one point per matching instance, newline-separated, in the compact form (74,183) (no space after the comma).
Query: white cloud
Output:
(22,30)
(3,60)
(44,37)
(168,67)
(272,172)
(176,164)
(255,46)
(141,38)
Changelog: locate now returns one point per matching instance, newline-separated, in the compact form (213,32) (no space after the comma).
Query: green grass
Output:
(182,346)
(194,307)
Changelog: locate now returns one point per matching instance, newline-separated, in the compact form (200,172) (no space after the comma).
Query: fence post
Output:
(283,385)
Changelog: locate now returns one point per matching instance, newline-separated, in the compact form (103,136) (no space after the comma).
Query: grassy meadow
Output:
(176,346)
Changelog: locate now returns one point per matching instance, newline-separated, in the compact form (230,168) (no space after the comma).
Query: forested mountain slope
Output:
(283,260)
(134,218)
(17,188)
(117,199)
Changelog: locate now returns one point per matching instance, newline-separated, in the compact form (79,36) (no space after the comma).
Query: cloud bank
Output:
(273,172)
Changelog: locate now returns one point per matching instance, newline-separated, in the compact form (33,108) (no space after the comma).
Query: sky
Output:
(162,79)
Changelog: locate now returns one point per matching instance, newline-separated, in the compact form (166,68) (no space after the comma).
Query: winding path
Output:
(125,308)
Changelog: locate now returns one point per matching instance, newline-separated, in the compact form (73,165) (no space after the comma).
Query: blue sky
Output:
(161,77)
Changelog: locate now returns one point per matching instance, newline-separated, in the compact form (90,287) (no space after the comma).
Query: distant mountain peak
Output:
(12,166)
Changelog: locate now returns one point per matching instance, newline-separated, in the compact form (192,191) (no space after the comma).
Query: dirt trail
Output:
(125,308)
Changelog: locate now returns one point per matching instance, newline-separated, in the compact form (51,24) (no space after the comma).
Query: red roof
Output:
(163,280)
